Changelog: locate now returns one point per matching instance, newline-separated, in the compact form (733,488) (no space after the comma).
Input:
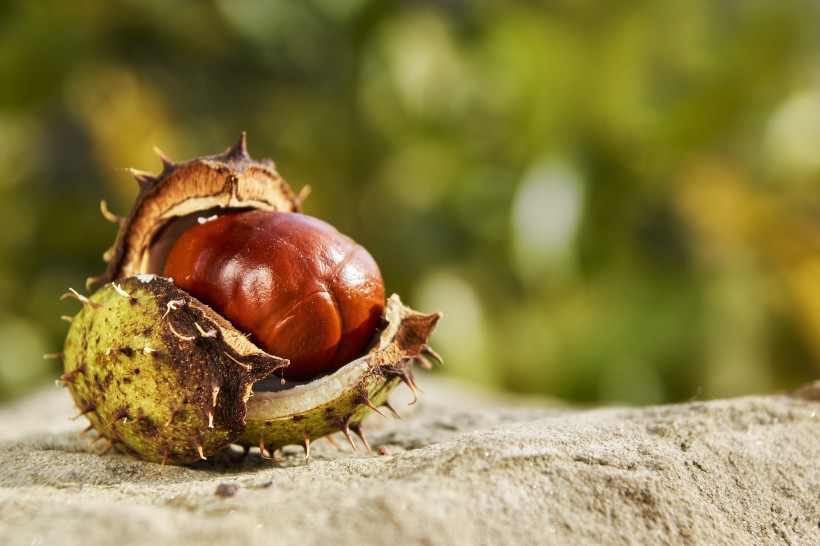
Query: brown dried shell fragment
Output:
(173,201)
(163,376)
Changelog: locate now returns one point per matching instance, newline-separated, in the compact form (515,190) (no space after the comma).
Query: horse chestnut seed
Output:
(302,290)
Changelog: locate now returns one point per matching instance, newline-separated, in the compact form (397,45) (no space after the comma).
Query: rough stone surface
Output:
(459,469)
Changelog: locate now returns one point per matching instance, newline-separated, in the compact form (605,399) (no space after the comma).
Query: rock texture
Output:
(457,470)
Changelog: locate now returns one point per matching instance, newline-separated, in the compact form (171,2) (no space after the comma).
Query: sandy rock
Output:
(459,469)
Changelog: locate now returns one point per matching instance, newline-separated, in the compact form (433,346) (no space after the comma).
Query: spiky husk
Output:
(158,372)
(161,375)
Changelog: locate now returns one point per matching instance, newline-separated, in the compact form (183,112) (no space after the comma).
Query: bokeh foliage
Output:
(610,201)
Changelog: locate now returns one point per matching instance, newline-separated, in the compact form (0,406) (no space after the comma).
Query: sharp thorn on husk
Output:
(111,441)
(71,376)
(118,289)
(210,419)
(79,297)
(390,407)
(165,456)
(271,457)
(303,194)
(214,395)
(167,164)
(240,149)
(91,281)
(86,429)
(144,179)
(429,351)
(98,437)
(110,216)
(407,381)
(123,413)
(210,333)
(333,442)
(412,380)
(307,447)
(346,431)
(246,367)
(69,319)
(108,255)
(178,335)
(174,413)
(423,362)
(54,356)
(357,428)
(371,405)
(140,417)
(87,409)
(198,446)
(172,305)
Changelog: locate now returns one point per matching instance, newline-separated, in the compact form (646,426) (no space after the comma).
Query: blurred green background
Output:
(609,201)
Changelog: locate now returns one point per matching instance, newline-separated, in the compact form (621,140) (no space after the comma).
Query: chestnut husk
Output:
(161,375)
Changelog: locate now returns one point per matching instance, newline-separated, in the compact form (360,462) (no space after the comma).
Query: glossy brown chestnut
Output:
(302,290)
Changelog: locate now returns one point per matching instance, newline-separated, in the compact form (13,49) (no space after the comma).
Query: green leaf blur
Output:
(609,201)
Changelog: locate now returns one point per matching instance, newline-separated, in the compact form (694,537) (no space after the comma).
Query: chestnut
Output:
(302,290)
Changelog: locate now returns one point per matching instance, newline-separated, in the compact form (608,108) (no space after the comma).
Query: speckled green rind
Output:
(159,373)
(344,411)
(340,401)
